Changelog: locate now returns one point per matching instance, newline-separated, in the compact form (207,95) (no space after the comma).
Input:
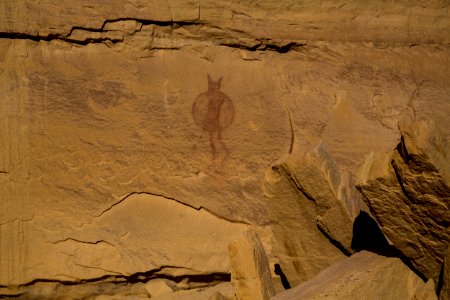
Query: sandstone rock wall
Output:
(408,190)
(120,118)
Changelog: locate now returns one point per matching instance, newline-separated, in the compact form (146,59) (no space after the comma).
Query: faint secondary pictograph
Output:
(213,111)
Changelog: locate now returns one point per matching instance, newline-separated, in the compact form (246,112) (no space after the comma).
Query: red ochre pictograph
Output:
(213,111)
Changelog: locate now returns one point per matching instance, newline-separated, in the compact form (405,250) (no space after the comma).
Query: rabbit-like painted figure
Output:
(213,111)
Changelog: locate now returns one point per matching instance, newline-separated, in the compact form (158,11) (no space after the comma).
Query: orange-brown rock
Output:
(313,207)
(98,102)
(250,274)
(299,246)
(445,289)
(364,275)
(426,292)
(408,191)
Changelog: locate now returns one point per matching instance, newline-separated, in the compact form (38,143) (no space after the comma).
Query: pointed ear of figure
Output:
(209,79)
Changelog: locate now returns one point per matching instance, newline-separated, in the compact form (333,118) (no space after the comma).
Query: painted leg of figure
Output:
(222,144)
(212,144)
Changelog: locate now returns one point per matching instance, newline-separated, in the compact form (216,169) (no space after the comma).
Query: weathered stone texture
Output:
(299,246)
(250,274)
(97,103)
(408,191)
(445,289)
(426,292)
(364,275)
(313,205)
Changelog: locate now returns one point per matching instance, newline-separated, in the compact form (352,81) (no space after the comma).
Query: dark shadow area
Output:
(368,236)
(283,277)
(440,283)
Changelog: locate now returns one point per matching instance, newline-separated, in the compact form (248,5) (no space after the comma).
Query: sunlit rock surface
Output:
(138,137)
(408,190)
(364,275)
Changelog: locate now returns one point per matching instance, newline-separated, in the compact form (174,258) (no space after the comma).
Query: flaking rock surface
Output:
(408,190)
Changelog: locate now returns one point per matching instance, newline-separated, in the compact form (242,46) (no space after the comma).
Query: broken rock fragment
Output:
(158,287)
(313,207)
(426,292)
(250,273)
(364,275)
(408,191)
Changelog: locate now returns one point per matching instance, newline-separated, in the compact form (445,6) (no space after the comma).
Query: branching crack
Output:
(69,38)
(102,35)
(83,242)
(145,193)
(265,45)
(172,199)
(137,277)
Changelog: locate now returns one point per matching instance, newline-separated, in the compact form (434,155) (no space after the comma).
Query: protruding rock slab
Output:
(364,275)
(408,191)
(337,201)
(426,292)
(250,273)
(313,205)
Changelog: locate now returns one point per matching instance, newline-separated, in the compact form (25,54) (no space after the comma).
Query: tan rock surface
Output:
(298,244)
(96,103)
(444,293)
(158,287)
(317,20)
(250,274)
(408,191)
(223,291)
(364,275)
(426,292)
(337,201)
(142,234)
(312,202)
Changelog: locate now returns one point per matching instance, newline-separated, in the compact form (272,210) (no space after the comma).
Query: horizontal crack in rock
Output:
(266,46)
(70,37)
(83,242)
(140,277)
(67,37)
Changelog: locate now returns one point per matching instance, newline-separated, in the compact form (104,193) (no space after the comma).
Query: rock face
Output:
(250,274)
(311,202)
(408,191)
(181,107)
(301,248)
(426,292)
(337,201)
(364,275)
(131,238)
(445,290)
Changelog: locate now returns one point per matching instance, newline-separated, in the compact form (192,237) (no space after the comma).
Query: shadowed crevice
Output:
(284,280)
(368,236)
